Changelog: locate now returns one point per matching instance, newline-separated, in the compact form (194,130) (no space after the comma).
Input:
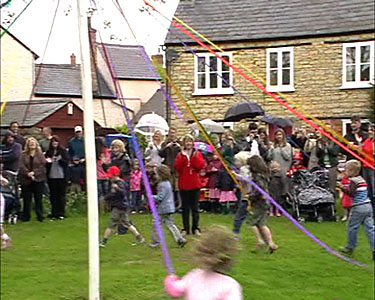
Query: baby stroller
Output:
(310,196)
(10,194)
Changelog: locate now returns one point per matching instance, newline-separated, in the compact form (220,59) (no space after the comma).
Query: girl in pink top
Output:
(213,255)
(136,187)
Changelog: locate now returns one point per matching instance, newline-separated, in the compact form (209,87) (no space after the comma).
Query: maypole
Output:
(92,197)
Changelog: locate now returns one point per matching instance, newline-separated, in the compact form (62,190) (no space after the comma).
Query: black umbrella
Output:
(278,121)
(243,110)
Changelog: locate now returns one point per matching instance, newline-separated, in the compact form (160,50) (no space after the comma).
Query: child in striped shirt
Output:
(361,212)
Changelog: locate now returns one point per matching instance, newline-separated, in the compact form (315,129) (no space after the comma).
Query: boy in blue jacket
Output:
(117,199)
(166,208)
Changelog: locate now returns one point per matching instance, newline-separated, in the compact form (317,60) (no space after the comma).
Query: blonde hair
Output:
(27,147)
(216,249)
(242,157)
(353,167)
(187,136)
(283,141)
(274,166)
(119,144)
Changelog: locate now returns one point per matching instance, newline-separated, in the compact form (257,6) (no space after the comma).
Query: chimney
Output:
(158,58)
(93,56)
(73,60)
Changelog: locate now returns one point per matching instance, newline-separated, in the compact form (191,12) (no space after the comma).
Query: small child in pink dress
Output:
(136,187)
(213,255)
(346,200)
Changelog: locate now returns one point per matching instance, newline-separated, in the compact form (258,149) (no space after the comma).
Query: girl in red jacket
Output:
(188,164)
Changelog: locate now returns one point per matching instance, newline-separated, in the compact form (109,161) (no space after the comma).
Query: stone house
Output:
(319,54)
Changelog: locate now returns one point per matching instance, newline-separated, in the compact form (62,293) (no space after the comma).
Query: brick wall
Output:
(317,76)
(16,70)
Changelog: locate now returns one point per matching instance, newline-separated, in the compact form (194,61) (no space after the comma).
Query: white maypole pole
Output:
(92,196)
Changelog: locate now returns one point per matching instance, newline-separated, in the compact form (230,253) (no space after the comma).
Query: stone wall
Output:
(317,80)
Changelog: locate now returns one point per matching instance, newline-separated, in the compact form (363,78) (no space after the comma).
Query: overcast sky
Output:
(33,26)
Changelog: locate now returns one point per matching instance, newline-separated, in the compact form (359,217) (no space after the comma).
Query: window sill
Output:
(280,89)
(213,92)
(346,86)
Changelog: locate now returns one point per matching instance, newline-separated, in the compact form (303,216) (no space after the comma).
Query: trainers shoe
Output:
(184,233)
(140,239)
(102,244)
(197,232)
(154,245)
(346,250)
(182,242)
(272,247)
(344,218)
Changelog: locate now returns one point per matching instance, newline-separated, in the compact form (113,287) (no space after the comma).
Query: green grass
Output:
(49,261)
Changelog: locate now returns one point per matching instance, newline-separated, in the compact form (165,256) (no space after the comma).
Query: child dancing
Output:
(361,212)
(213,256)
(117,199)
(166,208)
(259,203)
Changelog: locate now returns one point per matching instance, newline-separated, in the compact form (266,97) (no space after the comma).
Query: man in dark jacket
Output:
(77,145)
(10,152)
(14,127)
(252,142)
(356,137)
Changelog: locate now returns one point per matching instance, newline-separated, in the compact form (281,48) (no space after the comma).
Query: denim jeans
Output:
(359,215)
(240,216)
(136,200)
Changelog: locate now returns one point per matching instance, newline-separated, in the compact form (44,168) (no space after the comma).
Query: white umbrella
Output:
(149,123)
(210,126)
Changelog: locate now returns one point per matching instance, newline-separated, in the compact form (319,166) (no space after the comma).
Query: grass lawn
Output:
(49,261)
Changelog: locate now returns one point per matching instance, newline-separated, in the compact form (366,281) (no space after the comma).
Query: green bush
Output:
(76,203)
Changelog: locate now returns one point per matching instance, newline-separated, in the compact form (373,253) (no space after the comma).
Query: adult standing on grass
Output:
(10,153)
(188,164)
(57,163)
(153,148)
(281,151)
(76,144)
(32,177)
(14,127)
(356,136)
(45,142)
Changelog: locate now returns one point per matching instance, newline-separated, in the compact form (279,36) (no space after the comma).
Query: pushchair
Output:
(310,196)
(11,196)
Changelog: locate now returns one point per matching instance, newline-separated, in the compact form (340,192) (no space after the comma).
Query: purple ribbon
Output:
(138,153)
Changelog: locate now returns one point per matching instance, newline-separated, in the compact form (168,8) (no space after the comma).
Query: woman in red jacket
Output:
(188,164)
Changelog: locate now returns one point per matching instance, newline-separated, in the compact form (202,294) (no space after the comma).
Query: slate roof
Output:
(230,20)
(156,104)
(38,111)
(128,62)
(65,80)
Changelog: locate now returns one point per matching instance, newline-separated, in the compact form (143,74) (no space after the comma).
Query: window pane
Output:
(213,63)
(201,65)
(201,81)
(286,59)
(286,76)
(273,60)
(224,67)
(365,54)
(350,55)
(273,77)
(225,80)
(213,81)
(365,72)
(350,73)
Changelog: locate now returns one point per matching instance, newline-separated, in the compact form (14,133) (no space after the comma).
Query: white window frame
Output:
(357,83)
(346,122)
(280,87)
(212,91)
